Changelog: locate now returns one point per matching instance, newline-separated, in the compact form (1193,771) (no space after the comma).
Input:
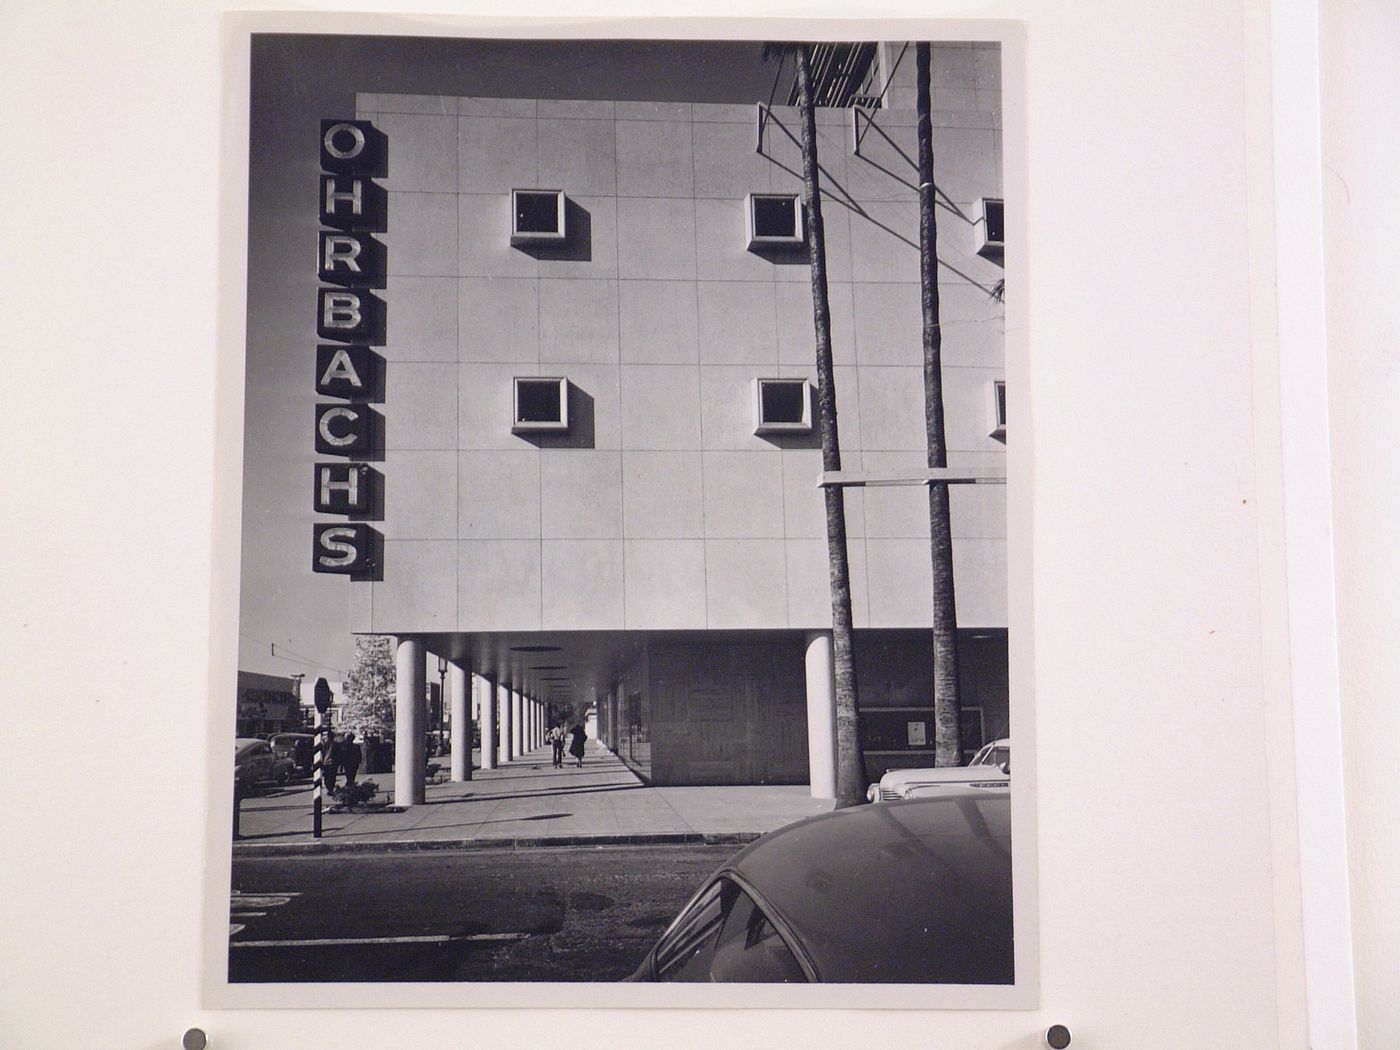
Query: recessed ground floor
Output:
(699,710)
(686,708)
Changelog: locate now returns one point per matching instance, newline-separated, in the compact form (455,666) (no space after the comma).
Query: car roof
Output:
(910,891)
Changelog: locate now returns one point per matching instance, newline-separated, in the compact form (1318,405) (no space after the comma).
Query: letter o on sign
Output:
(343,141)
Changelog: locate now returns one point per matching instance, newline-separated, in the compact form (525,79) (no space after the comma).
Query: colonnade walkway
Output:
(527,803)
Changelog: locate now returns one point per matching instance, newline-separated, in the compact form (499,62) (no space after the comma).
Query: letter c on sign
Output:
(329,436)
(335,130)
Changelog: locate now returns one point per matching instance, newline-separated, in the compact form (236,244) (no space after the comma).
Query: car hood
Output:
(902,779)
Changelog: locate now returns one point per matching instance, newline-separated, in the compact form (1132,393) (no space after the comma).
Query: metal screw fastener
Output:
(1057,1037)
(194,1039)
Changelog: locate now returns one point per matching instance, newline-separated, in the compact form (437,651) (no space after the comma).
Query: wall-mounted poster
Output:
(661,622)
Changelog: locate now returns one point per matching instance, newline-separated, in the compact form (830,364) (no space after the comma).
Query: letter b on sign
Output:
(348,315)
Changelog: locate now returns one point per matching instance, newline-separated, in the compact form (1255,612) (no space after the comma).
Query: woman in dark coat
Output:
(577,736)
(349,758)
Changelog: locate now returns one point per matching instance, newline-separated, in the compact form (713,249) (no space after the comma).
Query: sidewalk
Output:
(527,803)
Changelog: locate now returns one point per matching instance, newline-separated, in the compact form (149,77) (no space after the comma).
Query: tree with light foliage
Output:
(369,687)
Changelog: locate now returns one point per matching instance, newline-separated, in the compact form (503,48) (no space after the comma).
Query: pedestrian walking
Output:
(330,762)
(556,742)
(577,736)
(349,759)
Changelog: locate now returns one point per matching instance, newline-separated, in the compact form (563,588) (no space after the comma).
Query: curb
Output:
(302,849)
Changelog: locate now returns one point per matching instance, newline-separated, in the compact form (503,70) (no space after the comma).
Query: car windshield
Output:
(991,755)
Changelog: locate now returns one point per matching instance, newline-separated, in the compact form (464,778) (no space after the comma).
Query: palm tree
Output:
(947,729)
(850,761)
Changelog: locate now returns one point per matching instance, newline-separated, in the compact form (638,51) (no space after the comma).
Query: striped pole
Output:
(318,762)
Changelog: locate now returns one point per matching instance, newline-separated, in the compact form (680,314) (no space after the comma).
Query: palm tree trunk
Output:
(850,761)
(947,734)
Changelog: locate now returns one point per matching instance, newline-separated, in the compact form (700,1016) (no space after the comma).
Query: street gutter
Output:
(299,849)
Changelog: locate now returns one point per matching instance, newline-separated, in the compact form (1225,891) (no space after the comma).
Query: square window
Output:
(782,406)
(541,405)
(536,216)
(996,408)
(774,220)
(991,226)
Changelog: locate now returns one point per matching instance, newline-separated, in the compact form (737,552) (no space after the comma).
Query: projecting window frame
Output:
(764,425)
(996,408)
(790,238)
(520,237)
(541,419)
(991,219)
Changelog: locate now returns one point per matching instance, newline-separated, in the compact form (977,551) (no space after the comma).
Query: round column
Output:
(821,714)
(458,679)
(410,722)
(508,722)
(517,715)
(486,698)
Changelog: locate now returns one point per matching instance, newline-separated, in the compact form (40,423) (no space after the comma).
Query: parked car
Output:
(255,763)
(909,892)
(299,748)
(989,770)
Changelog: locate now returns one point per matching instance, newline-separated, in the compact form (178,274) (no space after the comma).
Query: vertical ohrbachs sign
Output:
(351,263)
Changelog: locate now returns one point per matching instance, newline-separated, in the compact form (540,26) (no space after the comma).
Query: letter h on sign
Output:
(353,202)
(342,488)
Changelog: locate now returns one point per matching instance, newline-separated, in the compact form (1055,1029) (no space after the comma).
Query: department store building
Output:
(595,468)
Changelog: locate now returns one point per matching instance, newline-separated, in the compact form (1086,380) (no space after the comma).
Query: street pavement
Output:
(573,913)
(527,803)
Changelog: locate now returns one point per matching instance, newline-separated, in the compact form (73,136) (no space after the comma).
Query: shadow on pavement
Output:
(531,794)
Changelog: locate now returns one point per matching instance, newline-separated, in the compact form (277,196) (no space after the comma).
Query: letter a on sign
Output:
(344,371)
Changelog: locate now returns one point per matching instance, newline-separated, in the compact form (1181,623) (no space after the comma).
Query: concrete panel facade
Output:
(660,509)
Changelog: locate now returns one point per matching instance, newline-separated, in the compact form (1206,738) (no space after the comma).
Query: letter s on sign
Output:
(343,549)
(340,543)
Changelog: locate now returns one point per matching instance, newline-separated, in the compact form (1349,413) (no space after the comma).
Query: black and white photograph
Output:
(622,482)
(624,585)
